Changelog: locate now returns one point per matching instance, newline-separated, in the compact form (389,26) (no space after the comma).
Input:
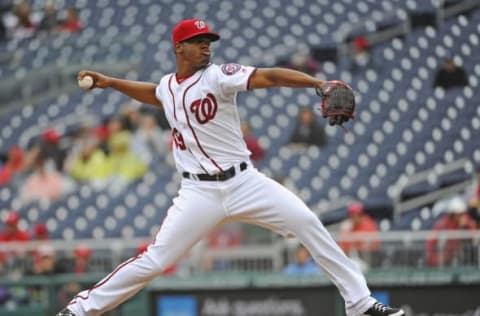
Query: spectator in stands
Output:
(224,236)
(44,261)
(450,251)
(473,195)
(77,261)
(131,117)
(308,131)
(43,184)
(360,54)
(86,136)
(115,164)
(101,132)
(72,23)
(82,256)
(40,232)
(149,140)
(115,126)
(358,222)
(51,149)
(257,152)
(91,164)
(24,26)
(14,165)
(49,21)
(303,264)
(39,235)
(12,233)
(124,163)
(450,75)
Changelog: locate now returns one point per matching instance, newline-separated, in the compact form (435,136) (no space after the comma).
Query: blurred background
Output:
(86,178)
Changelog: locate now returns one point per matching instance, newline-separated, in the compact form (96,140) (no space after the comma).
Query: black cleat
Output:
(378,309)
(65,312)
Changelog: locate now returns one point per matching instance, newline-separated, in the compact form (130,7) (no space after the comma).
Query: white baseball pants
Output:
(249,196)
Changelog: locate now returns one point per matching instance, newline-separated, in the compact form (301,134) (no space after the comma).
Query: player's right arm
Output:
(143,92)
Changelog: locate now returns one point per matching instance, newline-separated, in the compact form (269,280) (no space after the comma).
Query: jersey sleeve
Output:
(233,78)
(159,90)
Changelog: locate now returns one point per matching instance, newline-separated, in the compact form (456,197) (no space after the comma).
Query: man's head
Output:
(72,14)
(45,261)
(306,116)
(456,207)
(11,221)
(82,253)
(191,40)
(245,128)
(40,231)
(449,64)
(302,255)
(355,211)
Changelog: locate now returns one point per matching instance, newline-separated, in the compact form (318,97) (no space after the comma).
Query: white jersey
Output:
(202,112)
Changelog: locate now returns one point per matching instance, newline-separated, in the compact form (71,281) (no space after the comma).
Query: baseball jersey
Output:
(202,112)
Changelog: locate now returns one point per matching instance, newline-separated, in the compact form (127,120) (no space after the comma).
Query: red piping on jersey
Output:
(191,128)
(250,77)
(99,284)
(173,97)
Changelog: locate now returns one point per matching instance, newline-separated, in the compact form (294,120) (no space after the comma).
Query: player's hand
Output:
(99,80)
(319,86)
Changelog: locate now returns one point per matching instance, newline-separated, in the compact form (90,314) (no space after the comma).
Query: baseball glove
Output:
(338,102)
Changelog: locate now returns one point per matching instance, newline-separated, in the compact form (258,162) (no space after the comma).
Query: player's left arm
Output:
(282,77)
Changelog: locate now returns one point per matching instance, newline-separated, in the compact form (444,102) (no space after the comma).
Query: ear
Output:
(178,47)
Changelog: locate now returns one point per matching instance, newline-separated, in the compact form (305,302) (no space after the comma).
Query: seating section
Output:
(403,124)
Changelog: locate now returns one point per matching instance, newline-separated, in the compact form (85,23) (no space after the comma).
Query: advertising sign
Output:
(246,302)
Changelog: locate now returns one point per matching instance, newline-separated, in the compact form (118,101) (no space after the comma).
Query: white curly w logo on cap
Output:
(200,24)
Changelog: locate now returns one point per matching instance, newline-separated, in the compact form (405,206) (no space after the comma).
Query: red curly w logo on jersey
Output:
(204,109)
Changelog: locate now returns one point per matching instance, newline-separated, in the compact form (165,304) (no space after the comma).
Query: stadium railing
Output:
(398,249)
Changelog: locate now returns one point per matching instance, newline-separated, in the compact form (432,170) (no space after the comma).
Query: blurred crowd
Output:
(18,20)
(113,153)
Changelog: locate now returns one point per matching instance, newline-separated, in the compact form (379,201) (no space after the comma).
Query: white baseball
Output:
(86,82)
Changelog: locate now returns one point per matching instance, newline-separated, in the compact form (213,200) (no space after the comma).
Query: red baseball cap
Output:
(50,135)
(83,251)
(40,230)
(355,208)
(12,218)
(187,29)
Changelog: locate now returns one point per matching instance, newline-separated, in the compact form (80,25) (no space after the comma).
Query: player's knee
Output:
(156,262)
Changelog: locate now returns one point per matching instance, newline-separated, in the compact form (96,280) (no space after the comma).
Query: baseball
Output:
(86,82)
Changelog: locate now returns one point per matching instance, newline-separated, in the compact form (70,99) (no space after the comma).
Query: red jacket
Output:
(435,256)
(365,225)
(5,237)
(18,235)
(255,148)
